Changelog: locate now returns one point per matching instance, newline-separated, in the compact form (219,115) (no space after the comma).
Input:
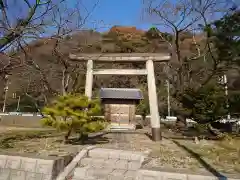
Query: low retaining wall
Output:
(21,121)
(161,175)
(30,121)
(34,121)
(29,168)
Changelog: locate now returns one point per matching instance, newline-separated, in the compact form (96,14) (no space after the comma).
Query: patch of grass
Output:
(223,155)
(7,139)
(230,143)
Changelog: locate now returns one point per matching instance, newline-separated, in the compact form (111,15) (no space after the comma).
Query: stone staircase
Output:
(109,164)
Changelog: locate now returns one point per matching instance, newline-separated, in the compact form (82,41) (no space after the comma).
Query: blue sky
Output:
(117,12)
(121,12)
(112,12)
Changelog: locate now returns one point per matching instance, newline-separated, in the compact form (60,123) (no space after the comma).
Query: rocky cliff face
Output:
(127,32)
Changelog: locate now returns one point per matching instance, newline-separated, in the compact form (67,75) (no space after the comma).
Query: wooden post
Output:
(153,102)
(89,79)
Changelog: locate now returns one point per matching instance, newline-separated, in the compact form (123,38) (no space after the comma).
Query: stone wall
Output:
(34,121)
(30,168)
(21,121)
(161,175)
(28,121)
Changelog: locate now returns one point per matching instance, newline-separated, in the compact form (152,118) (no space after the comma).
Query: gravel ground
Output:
(162,154)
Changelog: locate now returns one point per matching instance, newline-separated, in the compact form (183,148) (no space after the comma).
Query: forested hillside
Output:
(42,78)
(48,71)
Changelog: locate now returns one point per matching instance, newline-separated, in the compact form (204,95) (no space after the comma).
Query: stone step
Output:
(90,178)
(119,127)
(116,154)
(103,173)
(110,163)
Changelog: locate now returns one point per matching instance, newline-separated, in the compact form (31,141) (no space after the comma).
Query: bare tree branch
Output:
(181,17)
(66,22)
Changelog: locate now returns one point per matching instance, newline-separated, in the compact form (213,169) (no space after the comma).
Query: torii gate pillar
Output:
(89,79)
(153,102)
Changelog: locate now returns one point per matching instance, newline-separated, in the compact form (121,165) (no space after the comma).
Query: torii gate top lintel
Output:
(121,57)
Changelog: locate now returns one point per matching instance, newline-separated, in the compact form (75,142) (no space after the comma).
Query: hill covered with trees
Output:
(202,49)
(43,76)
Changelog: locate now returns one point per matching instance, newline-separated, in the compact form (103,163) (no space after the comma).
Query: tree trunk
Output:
(215,131)
(68,134)
(83,137)
(181,122)
(180,83)
(142,122)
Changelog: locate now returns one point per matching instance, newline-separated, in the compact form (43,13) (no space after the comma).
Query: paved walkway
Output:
(109,164)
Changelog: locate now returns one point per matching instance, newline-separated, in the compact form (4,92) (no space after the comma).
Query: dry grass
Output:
(223,156)
(42,142)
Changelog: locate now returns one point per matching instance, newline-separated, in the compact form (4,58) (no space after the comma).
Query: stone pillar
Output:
(153,102)
(89,79)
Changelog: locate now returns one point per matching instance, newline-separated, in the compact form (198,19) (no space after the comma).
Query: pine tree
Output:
(74,113)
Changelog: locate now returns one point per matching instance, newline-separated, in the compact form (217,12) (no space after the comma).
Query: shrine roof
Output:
(121,93)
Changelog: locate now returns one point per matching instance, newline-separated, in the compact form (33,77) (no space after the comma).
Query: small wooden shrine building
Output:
(120,106)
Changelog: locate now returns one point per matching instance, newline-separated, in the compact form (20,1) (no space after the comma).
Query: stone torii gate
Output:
(148,58)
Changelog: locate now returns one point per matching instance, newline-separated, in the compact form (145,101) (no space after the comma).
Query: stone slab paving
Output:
(26,168)
(109,164)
